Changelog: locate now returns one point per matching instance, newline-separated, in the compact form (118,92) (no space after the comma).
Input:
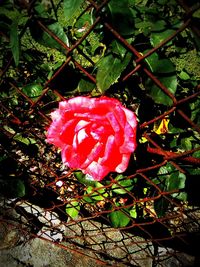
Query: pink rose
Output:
(96,135)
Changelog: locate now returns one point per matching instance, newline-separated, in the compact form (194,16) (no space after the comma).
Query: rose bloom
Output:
(95,135)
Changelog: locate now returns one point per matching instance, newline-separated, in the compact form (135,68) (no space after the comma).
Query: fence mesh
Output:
(163,219)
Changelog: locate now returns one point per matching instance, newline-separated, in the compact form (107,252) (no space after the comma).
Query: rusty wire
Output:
(74,241)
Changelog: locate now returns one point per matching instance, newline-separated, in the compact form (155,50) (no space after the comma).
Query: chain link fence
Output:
(148,216)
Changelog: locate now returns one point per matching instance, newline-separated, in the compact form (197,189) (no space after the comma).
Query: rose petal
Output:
(98,131)
(113,122)
(97,171)
(81,124)
(116,128)
(106,102)
(129,143)
(120,115)
(108,148)
(131,118)
(67,132)
(80,103)
(124,163)
(55,115)
(57,129)
(111,157)
(94,154)
(70,158)
(83,150)
(63,107)
(81,135)
(66,154)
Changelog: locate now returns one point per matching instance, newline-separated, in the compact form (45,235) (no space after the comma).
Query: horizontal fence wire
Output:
(52,188)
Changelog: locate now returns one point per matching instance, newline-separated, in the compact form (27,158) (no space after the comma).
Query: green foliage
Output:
(118,49)
(96,193)
(119,218)
(33,90)
(14,41)
(123,185)
(25,140)
(133,212)
(71,6)
(157,37)
(83,179)
(12,188)
(45,39)
(169,179)
(120,12)
(161,205)
(172,178)
(85,86)
(109,70)
(165,71)
(72,209)
(144,25)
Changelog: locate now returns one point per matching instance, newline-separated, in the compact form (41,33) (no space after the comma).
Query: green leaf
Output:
(160,206)
(196,14)
(160,66)
(173,180)
(164,70)
(157,37)
(14,41)
(195,116)
(71,6)
(184,76)
(193,171)
(88,199)
(72,209)
(173,143)
(176,181)
(95,193)
(18,188)
(141,3)
(45,39)
(109,70)
(158,95)
(9,129)
(196,154)
(127,185)
(163,2)
(133,212)
(181,196)
(25,140)
(12,188)
(119,218)
(85,86)
(186,143)
(82,178)
(119,49)
(96,196)
(159,25)
(85,19)
(32,90)
(144,27)
(41,9)
(122,18)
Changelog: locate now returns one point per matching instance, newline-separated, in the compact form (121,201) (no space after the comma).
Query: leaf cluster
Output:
(38,52)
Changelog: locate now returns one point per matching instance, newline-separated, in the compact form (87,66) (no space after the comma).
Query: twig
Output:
(168,155)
